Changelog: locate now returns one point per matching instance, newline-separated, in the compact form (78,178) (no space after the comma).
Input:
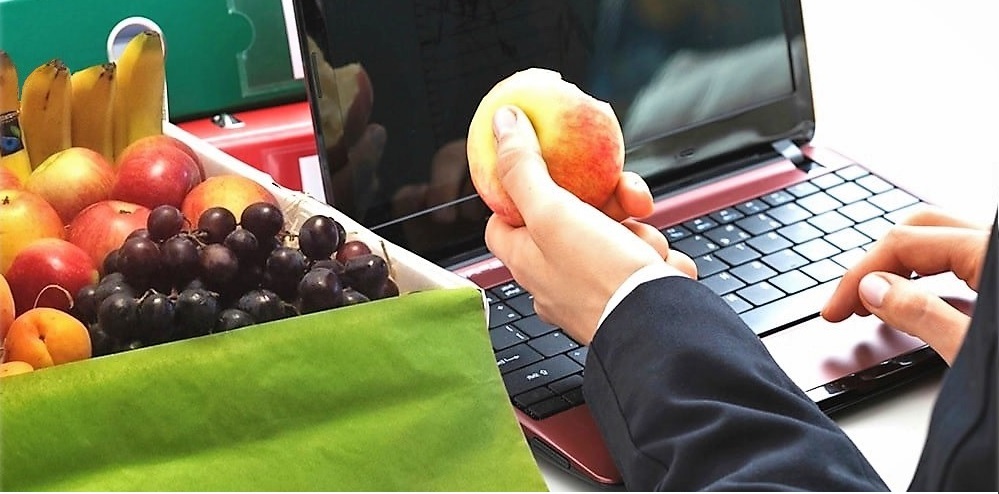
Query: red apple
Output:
(9,179)
(44,263)
(162,139)
(103,226)
(579,136)
(71,180)
(233,192)
(153,172)
(24,217)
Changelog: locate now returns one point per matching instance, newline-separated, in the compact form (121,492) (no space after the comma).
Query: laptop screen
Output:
(694,83)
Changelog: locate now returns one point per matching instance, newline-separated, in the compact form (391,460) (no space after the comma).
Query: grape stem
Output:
(64,291)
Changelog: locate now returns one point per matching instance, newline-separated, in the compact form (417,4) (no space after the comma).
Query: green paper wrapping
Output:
(397,394)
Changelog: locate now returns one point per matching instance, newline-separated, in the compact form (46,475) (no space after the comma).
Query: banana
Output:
(138,101)
(13,156)
(93,104)
(8,84)
(46,103)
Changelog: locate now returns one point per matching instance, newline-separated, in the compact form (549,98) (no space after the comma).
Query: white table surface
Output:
(909,88)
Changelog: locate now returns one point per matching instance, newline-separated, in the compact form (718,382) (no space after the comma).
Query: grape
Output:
(156,318)
(353,297)
(366,274)
(218,265)
(110,285)
(195,284)
(164,222)
(318,237)
(352,249)
(263,219)
(262,305)
(118,316)
(285,267)
(101,343)
(85,304)
(216,223)
(231,319)
(139,259)
(243,243)
(330,264)
(180,258)
(341,235)
(195,312)
(110,263)
(139,233)
(320,289)
(389,289)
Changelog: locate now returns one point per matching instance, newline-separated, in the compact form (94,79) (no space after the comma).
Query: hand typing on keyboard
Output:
(571,256)
(928,242)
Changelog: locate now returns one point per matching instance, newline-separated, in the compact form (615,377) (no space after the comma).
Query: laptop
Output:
(715,104)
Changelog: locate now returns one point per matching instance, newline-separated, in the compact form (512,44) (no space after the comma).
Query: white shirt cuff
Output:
(647,273)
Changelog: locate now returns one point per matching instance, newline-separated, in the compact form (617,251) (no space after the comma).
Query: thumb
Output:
(521,170)
(901,304)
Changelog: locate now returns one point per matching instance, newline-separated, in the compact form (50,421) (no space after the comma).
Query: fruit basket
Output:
(400,393)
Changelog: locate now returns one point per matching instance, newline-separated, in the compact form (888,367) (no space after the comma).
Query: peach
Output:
(71,180)
(15,367)
(580,139)
(24,217)
(6,307)
(233,192)
(43,337)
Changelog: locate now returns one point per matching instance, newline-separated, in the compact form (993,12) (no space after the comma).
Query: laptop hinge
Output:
(792,152)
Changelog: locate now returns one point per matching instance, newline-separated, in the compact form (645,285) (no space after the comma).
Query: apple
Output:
(233,192)
(24,217)
(45,263)
(103,226)
(44,337)
(580,139)
(6,307)
(165,140)
(71,180)
(9,179)
(153,172)
(15,367)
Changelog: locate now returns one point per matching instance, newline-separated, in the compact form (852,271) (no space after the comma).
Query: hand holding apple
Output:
(44,337)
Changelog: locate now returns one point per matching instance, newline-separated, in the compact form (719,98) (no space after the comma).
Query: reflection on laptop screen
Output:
(666,67)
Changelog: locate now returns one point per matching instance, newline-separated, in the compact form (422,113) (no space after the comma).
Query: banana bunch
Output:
(94,91)
(138,100)
(45,111)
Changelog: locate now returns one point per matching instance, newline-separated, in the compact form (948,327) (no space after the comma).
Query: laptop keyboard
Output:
(774,259)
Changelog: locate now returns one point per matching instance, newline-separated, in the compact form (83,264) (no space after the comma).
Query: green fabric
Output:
(398,394)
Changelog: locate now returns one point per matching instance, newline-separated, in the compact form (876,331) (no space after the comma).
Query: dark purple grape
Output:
(110,263)
(110,285)
(232,319)
(164,222)
(156,318)
(263,219)
(139,233)
(216,223)
(320,289)
(341,235)
(330,264)
(366,274)
(353,297)
(195,312)
(352,249)
(389,289)
(139,260)
(318,237)
(218,265)
(118,316)
(85,304)
(195,284)
(101,343)
(285,267)
(262,305)
(243,243)
(180,258)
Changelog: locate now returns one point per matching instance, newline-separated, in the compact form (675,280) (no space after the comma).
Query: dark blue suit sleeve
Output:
(688,398)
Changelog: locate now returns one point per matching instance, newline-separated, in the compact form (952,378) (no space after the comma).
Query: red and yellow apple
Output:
(44,337)
(6,307)
(580,139)
(103,226)
(15,367)
(233,192)
(24,217)
(153,172)
(165,140)
(9,179)
(71,180)
(42,266)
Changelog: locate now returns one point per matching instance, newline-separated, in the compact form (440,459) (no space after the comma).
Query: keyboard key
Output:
(827,180)
(500,314)
(700,225)
(533,326)
(758,224)
(516,357)
(785,260)
(539,374)
(708,265)
(849,258)
(824,270)
(803,189)
(579,354)
(508,290)
(875,228)
(760,293)
(819,203)
(723,283)
(727,235)
(533,396)
(769,242)
(570,383)
(893,199)
(874,184)
(523,304)
(848,193)
(506,336)
(792,281)
(852,172)
(675,233)
(553,343)
(753,272)
(697,245)
(737,254)
(903,214)
(800,233)
(830,221)
(777,198)
(574,396)
(790,309)
(727,215)
(547,408)
(789,213)
(752,207)
(860,211)
(847,239)
(816,249)
(737,304)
